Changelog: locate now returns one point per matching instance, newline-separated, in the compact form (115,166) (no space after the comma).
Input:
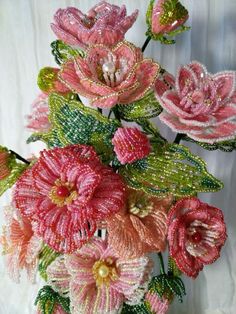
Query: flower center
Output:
(196,237)
(139,204)
(104,271)
(112,70)
(62,193)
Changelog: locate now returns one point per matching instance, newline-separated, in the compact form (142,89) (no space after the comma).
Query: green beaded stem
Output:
(63,52)
(225,146)
(145,108)
(16,170)
(47,299)
(171,169)
(46,257)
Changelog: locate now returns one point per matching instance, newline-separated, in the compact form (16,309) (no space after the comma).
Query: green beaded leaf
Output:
(173,268)
(225,146)
(15,170)
(47,299)
(73,123)
(147,107)
(141,308)
(46,257)
(171,169)
(63,52)
(168,286)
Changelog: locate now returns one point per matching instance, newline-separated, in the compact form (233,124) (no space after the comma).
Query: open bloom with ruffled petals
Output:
(38,119)
(104,24)
(20,245)
(157,305)
(108,76)
(130,144)
(141,228)
(66,191)
(202,105)
(97,281)
(166,18)
(196,233)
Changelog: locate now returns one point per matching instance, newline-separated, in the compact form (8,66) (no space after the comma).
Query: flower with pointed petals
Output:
(97,281)
(66,192)
(104,24)
(108,76)
(196,233)
(20,245)
(141,228)
(201,105)
(157,305)
(38,119)
(130,144)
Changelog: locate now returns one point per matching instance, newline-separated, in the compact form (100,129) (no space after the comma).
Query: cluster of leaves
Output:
(47,299)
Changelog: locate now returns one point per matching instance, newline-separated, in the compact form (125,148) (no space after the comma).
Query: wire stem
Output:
(178,138)
(19,157)
(162,266)
(146,43)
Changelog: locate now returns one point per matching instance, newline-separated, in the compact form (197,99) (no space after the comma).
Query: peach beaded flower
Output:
(97,281)
(20,245)
(201,105)
(104,24)
(66,192)
(130,144)
(108,76)
(141,228)
(196,233)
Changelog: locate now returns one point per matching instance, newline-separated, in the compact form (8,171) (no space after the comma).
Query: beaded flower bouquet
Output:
(110,194)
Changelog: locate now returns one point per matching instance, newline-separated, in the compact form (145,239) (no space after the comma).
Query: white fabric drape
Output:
(25,37)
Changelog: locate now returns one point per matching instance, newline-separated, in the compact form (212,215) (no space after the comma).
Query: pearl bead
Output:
(63,191)
(109,67)
(103,271)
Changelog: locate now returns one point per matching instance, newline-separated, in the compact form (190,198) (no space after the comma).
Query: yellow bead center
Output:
(104,271)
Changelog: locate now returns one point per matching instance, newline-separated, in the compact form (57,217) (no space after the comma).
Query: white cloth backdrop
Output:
(25,37)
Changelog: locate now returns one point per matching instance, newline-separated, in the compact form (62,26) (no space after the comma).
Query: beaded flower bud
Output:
(166,17)
(130,145)
(48,81)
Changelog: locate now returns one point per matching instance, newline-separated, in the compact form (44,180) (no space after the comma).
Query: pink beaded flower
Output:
(166,17)
(97,280)
(38,119)
(108,76)
(20,245)
(196,234)
(157,305)
(130,145)
(202,105)
(104,24)
(66,191)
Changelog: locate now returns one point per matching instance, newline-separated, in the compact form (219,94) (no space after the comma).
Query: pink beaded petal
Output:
(226,84)
(185,80)
(157,305)
(58,276)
